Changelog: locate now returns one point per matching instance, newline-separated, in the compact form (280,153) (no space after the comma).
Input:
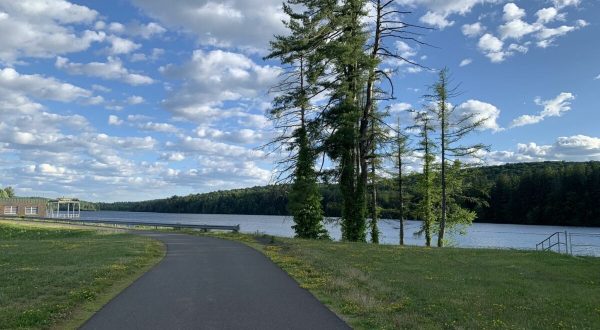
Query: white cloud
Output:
(214,77)
(438,11)
(148,30)
(547,15)
(116,27)
(138,118)
(242,136)
(127,143)
(111,70)
(518,48)
(448,6)
(555,107)
(400,107)
(99,25)
(42,29)
(489,43)
(597,77)
(138,57)
(42,87)
(134,29)
(526,120)
(244,24)
(50,169)
(135,99)
(547,33)
(158,127)
(63,151)
(121,46)
(218,173)
(568,148)
(114,120)
(492,47)
(405,50)
(114,107)
(534,150)
(100,88)
(208,147)
(173,157)
(565,3)
(473,30)
(481,111)
(581,23)
(465,62)
(578,144)
(436,19)
(516,29)
(154,55)
(512,12)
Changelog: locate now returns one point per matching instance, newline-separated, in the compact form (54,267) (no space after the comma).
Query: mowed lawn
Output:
(57,276)
(392,287)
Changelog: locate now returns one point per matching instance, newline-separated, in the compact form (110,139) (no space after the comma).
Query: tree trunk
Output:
(374,216)
(427,174)
(374,228)
(442,94)
(366,143)
(400,187)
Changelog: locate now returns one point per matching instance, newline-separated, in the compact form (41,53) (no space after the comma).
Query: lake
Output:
(586,241)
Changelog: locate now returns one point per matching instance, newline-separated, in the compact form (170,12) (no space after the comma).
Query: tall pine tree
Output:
(291,110)
(454,125)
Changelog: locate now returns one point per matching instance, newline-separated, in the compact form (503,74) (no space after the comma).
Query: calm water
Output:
(486,235)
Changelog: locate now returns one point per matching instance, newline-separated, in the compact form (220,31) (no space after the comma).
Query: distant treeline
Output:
(549,193)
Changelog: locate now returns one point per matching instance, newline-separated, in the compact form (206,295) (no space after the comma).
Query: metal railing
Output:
(584,244)
(571,243)
(235,228)
(553,242)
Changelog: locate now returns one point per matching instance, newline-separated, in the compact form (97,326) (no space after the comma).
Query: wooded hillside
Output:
(552,193)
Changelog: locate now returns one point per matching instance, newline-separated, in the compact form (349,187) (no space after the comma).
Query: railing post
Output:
(558,241)
(571,242)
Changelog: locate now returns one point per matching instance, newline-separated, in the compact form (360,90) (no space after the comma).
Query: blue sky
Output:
(131,100)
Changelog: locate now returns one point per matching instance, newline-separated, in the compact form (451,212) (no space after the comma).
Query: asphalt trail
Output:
(210,283)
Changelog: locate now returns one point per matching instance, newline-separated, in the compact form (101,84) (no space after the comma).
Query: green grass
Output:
(392,287)
(57,276)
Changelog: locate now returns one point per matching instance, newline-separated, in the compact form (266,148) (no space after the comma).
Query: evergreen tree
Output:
(343,55)
(374,212)
(377,137)
(291,111)
(453,126)
(401,146)
(305,197)
(458,216)
(426,187)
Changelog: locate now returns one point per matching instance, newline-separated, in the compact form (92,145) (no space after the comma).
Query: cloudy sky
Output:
(131,100)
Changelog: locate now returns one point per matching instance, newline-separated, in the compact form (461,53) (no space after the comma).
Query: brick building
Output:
(23,206)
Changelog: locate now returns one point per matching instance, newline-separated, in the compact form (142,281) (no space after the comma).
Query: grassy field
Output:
(55,276)
(392,287)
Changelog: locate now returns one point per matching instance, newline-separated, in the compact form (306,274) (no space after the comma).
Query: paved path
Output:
(209,283)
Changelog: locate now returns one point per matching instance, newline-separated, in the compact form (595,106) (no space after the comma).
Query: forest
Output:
(542,193)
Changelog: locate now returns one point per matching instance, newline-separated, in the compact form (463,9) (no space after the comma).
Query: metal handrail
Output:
(568,243)
(550,245)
